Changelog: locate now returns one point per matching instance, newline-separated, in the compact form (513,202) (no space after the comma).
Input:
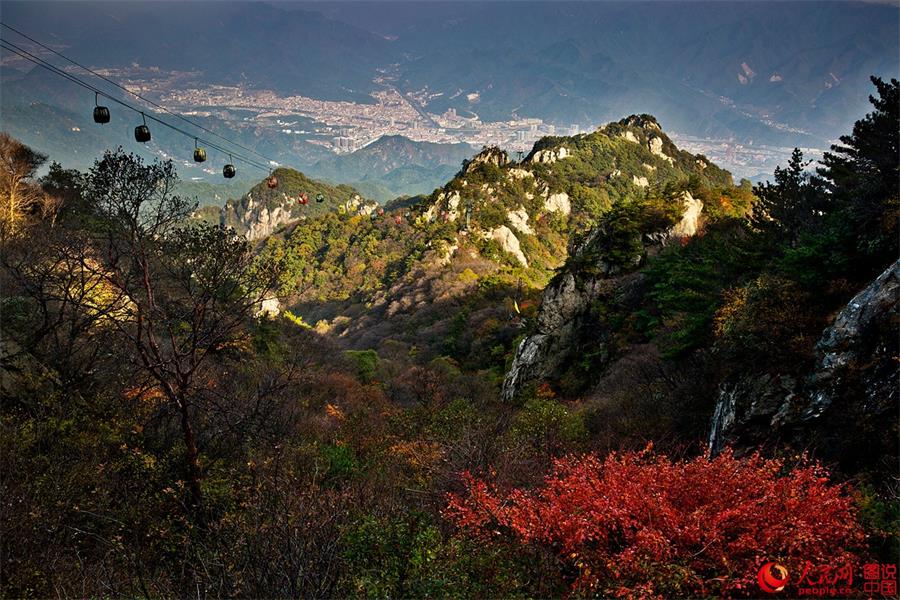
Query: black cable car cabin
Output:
(199,153)
(101,113)
(142,132)
(228,171)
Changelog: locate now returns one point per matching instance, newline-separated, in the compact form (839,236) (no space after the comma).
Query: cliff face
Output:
(568,299)
(262,211)
(858,353)
(257,221)
(540,355)
(853,385)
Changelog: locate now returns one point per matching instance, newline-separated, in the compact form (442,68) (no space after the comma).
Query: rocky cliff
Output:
(853,384)
(568,299)
(565,184)
(263,210)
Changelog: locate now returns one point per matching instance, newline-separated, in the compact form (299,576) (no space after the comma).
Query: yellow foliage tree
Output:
(20,195)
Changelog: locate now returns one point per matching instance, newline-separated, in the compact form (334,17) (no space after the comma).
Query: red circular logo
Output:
(772,577)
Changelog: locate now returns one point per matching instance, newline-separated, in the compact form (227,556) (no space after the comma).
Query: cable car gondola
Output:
(101,113)
(142,132)
(199,153)
(398,220)
(320,198)
(303,199)
(228,171)
(272,182)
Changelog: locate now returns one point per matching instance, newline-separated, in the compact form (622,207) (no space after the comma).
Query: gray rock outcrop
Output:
(490,155)
(568,299)
(549,156)
(855,374)
(508,241)
(264,223)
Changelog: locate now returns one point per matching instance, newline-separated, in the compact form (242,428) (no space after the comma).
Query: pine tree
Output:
(862,174)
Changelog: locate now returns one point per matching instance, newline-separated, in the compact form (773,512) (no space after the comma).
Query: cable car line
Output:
(136,95)
(74,79)
(11,47)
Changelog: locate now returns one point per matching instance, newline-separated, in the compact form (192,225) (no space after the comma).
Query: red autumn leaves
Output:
(639,524)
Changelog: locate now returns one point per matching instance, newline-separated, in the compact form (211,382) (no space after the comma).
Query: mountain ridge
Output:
(496,230)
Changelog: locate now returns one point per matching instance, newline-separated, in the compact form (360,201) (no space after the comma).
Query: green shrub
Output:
(340,461)
(546,422)
(366,362)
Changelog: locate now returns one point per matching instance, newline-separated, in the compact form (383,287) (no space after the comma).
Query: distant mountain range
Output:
(783,74)
(227,42)
(394,165)
(708,68)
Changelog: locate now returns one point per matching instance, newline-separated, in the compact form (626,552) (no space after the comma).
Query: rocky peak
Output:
(489,155)
(263,210)
(646,122)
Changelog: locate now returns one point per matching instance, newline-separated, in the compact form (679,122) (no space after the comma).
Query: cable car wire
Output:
(74,79)
(11,47)
(136,95)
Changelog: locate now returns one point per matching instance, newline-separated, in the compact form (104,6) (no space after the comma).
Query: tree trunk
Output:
(12,209)
(192,458)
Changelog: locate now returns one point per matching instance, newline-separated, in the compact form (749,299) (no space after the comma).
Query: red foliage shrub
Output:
(639,524)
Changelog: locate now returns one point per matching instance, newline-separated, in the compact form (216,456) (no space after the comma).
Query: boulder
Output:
(558,203)
(508,241)
(519,220)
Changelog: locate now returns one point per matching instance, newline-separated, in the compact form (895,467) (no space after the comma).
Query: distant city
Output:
(344,126)
(347,126)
